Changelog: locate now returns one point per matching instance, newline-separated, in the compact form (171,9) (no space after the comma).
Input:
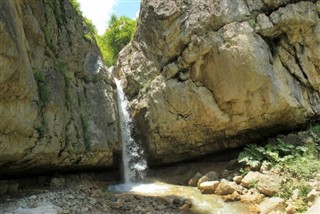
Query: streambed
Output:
(91,196)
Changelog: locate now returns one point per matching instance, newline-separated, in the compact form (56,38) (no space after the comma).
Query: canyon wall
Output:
(204,76)
(57,101)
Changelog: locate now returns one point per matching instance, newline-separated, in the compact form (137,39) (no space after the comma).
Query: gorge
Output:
(201,77)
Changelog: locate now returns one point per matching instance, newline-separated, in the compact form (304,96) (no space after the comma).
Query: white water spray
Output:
(134,165)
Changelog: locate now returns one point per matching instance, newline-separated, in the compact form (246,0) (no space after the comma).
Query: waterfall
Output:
(134,165)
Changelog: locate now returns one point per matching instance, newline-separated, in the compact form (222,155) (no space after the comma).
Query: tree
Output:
(118,34)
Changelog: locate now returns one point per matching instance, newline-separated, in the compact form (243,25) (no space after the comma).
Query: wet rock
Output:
(226,187)
(194,180)
(235,196)
(187,205)
(251,198)
(271,204)
(208,187)
(210,176)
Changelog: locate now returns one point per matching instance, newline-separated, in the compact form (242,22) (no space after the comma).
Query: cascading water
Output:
(134,168)
(134,165)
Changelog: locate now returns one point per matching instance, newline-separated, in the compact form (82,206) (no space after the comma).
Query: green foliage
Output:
(254,184)
(315,128)
(117,36)
(57,12)
(89,38)
(288,189)
(90,25)
(272,154)
(44,98)
(43,91)
(86,135)
(76,6)
(305,166)
(42,128)
(296,164)
(47,30)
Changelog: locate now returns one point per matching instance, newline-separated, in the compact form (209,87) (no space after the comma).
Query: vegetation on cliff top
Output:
(117,36)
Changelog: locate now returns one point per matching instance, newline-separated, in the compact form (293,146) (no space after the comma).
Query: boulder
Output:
(235,196)
(226,187)
(237,179)
(208,187)
(222,72)
(251,197)
(210,176)
(271,204)
(267,184)
(194,180)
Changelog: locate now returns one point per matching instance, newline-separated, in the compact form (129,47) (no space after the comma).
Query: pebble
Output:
(33,197)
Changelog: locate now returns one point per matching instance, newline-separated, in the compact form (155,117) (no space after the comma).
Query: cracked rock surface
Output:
(204,76)
(57,100)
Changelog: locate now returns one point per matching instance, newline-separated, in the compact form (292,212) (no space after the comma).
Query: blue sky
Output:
(100,11)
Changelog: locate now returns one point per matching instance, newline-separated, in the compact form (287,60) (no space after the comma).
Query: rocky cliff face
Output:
(203,76)
(57,101)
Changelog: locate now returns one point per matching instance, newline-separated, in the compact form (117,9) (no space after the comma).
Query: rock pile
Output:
(255,188)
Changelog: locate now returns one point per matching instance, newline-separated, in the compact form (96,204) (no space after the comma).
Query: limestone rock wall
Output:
(204,76)
(57,101)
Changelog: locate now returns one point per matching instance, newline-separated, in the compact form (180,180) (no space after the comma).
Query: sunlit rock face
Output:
(57,101)
(204,76)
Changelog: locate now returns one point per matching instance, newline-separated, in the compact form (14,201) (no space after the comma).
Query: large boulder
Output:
(203,76)
(209,176)
(57,101)
(226,187)
(208,187)
(267,184)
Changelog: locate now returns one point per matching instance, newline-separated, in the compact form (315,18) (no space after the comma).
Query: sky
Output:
(100,11)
